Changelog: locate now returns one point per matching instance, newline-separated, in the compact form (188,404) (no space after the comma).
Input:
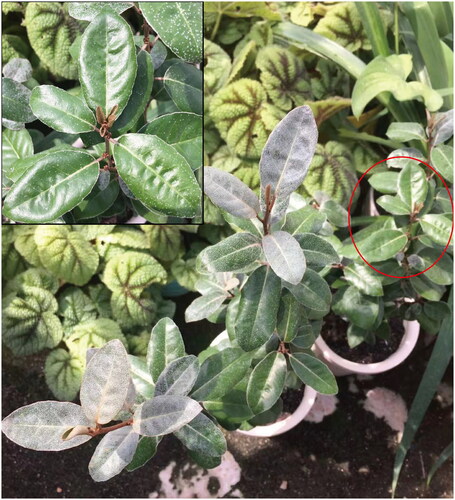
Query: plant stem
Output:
(108,151)
(105,430)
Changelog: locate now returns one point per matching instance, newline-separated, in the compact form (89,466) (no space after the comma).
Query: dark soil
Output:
(334,333)
(291,400)
(349,455)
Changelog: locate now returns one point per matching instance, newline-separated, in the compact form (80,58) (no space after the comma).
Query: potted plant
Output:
(264,281)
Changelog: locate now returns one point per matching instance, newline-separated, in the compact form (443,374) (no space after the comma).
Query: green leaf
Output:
(234,253)
(201,435)
(244,9)
(16,144)
(362,310)
(40,426)
(53,186)
(93,333)
(142,379)
(30,324)
(75,307)
(51,32)
(443,127)
(258,309)
(140,95)
(183,82)
(304,220)
(231,408)
(286,157)
(39,278)
(166,345)
(18,69)
(437,365)
(183,131)
(105,384)
(63,372)
(230,193)
(15,102)
(426,288)
(285,256)
(384,182)
(146,449)
(164,414)
(88,11)
(97,202)
(66,253)
(442,161)
(412,186)
(179,26)
(164,241)
(312,292)
(318,252)
(382,245)
(313,372)
(266,382)
(289,317)
(388,74)
(178,377)
(204,306)
(394,205)
(442,272)
(107,73)
(363,278)
(446,453)
(406,131)
(437,227)
(219,373)
(60,110)
(113,453)
(157,175)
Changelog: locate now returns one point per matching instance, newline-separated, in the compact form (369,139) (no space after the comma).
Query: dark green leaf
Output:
(314,373)
(15,102)
(183,83)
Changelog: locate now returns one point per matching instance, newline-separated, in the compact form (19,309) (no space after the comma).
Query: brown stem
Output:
(146,28)
(105,430)
(108,151)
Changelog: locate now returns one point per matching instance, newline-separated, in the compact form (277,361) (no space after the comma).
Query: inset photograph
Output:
(102,112)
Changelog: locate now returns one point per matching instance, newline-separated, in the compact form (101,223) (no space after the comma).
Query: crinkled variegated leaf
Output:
(105,383)
(164,241)
(63,371)
(216,69)
(164,414)
(119,241)
(25,244)
(133,310)
(166,345)
(113,453)
(36,277)
(75,307)
(66,253)
(185,273)
(40,426)
(178,377)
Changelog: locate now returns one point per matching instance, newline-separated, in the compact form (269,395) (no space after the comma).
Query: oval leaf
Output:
(15,102)
(183,83)
(157,175)
(382,245)
(412,187)
(60,110)
(56,184)
(203,436)
(178,377)
(313,372)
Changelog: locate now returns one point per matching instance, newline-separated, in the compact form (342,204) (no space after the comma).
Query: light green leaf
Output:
(437,227)
(318,252)
(442,161)
(363,278)
(164,414)
(219,373)
(142,379)
(304,220)
(40,426)
(158,175)
(87,11)
(66,253)
(266,382)
(363,310)
(258,309)
(113,453)
(234,253)
(406,131)
(60,110)
(15,102)
(183,83)
(202,436)
(427,289)
(442,272)
(164,241)
(385,182)
(16,144)
(105,383)
(289,317)
(54,185)
(63,371)
(204,306)
(178,377)
(166,345)
(179,26)
(412,186)
(382,245)
(313,372)
(388,74)
(394,205)
(114,59)
(312,292)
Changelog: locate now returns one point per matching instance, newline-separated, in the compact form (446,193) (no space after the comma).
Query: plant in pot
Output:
(264,281)
(376,317)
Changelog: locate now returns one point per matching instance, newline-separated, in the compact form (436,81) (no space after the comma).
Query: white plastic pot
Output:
(341,366)
(287,423)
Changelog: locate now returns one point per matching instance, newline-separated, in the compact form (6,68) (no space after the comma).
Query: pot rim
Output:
(346,367)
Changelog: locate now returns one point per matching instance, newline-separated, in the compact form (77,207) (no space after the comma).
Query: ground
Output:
(349,454)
